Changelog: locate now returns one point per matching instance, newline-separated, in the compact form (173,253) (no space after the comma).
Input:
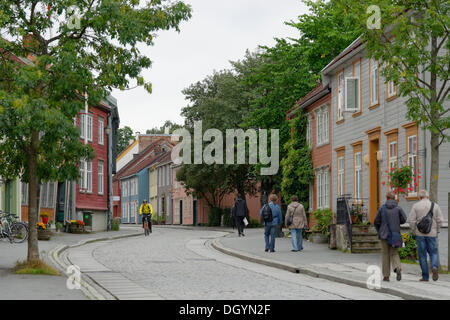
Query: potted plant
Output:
(323,218)
(401,179)
(44,217)
(76,226)
(58,226)
(44,233)
(356,214)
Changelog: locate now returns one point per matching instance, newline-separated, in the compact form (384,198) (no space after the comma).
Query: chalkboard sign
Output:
(342,211)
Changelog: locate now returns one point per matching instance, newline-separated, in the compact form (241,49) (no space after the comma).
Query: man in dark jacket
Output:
(240,211)
(396,217)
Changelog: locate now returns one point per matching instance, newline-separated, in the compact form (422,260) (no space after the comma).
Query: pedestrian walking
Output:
(425,221)
(387,221)
(296,221)
(271,214)
(240,212)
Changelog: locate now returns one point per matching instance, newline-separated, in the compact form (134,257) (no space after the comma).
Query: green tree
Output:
(291,69)
(297,165)
(168,125)
(220,102)
(124,136)
(412,44)
(39,100)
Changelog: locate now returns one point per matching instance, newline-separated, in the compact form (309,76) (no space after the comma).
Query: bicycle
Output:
(15,231)
(147,225)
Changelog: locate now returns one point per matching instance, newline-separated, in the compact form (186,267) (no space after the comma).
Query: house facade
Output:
(164,194)
(317,105)
(375,136)
(132,184)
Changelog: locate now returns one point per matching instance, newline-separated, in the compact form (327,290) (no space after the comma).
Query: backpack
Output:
(267,213)
(424,225)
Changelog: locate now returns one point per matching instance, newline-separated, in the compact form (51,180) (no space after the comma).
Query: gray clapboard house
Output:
(375,135)
(164,173)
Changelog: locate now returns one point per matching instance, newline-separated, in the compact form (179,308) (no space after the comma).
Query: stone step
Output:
(364,238)
(366,250)
(363,244)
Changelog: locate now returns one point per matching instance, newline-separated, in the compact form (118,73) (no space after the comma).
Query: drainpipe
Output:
(110,189)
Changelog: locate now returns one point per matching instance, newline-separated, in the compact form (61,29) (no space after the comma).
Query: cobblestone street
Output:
(180,264)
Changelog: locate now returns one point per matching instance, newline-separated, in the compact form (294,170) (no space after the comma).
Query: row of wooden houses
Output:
(358,131)
(150,174)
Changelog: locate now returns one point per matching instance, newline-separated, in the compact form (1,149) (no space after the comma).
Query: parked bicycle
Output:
(13,230)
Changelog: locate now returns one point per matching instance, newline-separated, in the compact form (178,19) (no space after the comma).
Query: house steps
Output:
(365,239)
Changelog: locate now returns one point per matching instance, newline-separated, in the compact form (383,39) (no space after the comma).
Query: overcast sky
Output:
(219,31)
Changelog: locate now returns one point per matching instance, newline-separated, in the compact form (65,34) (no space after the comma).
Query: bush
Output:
(409,251)
(115,224)
(214,217)
(254,223)
(323,219)
(227,220)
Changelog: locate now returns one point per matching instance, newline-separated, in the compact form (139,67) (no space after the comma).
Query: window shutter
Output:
(351,95)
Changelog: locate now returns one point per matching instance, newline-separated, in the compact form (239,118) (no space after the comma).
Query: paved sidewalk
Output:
(41,287)
(319,261)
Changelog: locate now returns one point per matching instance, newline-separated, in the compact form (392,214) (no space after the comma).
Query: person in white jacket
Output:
(426,243)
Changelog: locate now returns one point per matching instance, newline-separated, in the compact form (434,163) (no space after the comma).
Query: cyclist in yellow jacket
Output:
(147,210)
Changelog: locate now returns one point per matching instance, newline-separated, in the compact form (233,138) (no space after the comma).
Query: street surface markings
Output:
(115,283)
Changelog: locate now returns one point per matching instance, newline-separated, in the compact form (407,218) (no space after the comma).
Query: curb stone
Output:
(311,272)
(91,289)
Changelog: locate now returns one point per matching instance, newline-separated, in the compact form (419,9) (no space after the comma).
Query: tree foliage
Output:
(45,76)
(125,136)
(297,164)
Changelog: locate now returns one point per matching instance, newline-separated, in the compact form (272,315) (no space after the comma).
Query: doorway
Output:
(374,179)
(195,212)
(181,211)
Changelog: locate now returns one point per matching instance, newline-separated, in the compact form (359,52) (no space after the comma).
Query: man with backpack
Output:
(271,214)
(425,221)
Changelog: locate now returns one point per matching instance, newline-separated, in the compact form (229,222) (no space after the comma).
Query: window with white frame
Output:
(392,155)
(323,126)
(412,161)
(341,172)
(82,125)
(340,100)
(309,138)
(82,175)
(88,123)
(89,175)
(101,130)
(101,179)
(24,199)
(391,90)
(358,176)
(47,195)
(373,82)
(90,127)
(323,188)
(357,74)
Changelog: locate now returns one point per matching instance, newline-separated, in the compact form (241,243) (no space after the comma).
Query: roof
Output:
(352,47)
(143,160)
(165,159)
(308,99)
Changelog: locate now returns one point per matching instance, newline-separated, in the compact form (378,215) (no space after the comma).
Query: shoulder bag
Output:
(394,239)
